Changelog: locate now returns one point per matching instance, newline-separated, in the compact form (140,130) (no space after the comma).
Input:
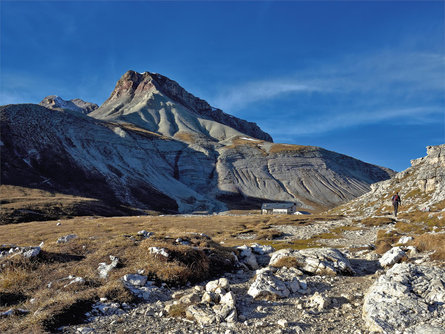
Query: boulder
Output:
(394,255)
(66,238)
(158,251)
(247,257)
(203,314)
(320,261)
(135,279)
(104,268)
(319,301)
(145,234)
(228,299)
(405,239)
(192,298)
(30,252)
(219,285)
(261,249)
(268,286)
(406,297)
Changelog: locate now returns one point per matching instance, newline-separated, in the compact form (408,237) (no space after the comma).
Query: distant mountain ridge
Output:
(154,146)
(78,105)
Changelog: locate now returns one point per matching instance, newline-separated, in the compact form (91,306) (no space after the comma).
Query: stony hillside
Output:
(154,146)
(421,187)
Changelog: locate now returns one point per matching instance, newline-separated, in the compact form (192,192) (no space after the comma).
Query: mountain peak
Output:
(134,93)
(57,103)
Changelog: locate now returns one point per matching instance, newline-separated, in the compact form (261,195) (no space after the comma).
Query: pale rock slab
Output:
(406,297)
(394,255)
(320,261)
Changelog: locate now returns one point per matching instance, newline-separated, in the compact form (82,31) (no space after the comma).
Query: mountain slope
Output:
(156,103)
(72,153)
(151,152)
(421,187)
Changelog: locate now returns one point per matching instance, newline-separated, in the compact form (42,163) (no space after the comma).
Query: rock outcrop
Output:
(405,299)
(57,103)
(319,261)
(421,186)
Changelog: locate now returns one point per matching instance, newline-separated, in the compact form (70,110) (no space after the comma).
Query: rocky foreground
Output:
(330,293)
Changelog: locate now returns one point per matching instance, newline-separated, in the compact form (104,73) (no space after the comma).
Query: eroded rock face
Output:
(320,261)
(77,105)
(158,97)
(406,297)
(421,186)
(154,146)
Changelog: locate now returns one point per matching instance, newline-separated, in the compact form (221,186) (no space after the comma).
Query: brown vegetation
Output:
(278,148)
(431,242)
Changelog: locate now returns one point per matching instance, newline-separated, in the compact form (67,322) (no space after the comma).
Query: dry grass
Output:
(178,310)
(385,240)
(22,279)
(185,137)
(377,221)
(20,204)
(278,148)
(140,131)
(431,242)
(287,261)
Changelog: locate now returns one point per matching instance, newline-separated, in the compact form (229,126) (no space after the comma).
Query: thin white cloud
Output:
(402,75)
(337,121)
(237,97)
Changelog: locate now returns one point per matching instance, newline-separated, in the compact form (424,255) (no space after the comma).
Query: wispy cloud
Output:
(350,92)
(237,97)
(327,123)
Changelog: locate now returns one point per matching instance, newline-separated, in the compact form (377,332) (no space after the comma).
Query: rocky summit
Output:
(154,146)
(156,103)
(77,105)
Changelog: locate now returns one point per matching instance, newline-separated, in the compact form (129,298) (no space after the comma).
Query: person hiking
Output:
(396,201)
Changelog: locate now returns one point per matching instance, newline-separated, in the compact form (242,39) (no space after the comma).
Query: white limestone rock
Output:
(405,239)
(66,238)
(247,257)
(268,286)
(261,249)
(319,301)
(135,279)
(158,251)
(104,268)
(30,252)
(320,261)
(394,255)
(406,297)
(145,234)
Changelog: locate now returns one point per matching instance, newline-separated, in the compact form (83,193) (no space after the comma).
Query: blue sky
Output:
(366,79)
